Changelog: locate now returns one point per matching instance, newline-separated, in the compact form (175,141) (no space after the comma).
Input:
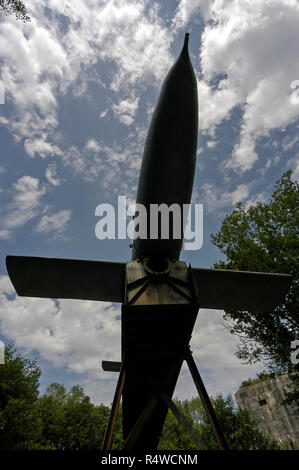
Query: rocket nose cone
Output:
(184,55)
(186,41)
(183,63)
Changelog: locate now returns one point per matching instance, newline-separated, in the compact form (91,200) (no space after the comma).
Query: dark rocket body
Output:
(169,157)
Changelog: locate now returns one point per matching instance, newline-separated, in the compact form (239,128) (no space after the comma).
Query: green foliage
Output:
(19,377)
(62,419)
(69,420)
(16,7)
(239,428)
(57,420)
(261,377)
(264,238)
(19,381)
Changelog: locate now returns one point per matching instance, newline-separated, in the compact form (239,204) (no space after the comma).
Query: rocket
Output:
(160,295)
(166,176)
(169,158)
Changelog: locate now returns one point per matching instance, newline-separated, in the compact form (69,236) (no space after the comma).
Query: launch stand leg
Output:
(130,441)
(143,418)
(159,393)
(156,396)
(206,401)
(184,422)
(114,409)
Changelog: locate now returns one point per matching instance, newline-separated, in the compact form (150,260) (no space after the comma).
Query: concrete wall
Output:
(264,403)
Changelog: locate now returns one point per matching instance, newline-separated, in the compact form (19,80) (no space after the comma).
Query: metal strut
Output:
(114,409)
(158,394)
(206,401)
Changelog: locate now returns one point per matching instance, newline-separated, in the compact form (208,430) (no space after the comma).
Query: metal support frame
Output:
(159,393)
(147,411)
(184,422)
(114,409)
(208,407)
(143,417)
(155,391)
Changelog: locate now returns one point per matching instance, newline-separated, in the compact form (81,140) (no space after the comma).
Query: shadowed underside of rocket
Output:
(166,176)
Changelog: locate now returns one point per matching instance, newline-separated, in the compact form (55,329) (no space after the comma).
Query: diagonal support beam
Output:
(114,409)
(144,416)
(206,401)
(184,422)
(158,394)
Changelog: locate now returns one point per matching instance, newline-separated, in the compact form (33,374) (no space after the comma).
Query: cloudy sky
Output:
(78,85)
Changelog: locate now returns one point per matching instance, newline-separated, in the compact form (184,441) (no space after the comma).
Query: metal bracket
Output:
(170,285)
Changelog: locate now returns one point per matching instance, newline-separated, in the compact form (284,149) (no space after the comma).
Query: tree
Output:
(67,420)
(19,380)
(9,7)
(239,428)
(70,421)
(57,420)
(264,238)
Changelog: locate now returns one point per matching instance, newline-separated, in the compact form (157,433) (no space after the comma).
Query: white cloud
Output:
(211,144)
(126,109)
(34,64)
(251,43)
(293,164)
(51,175)
(216,199)
(290,142)
(54,225)
(269,163)
(25,204)
(93,145)
(214,105)
(97,161)
(187,8)
(4,120)
(255,45)
(244,155)
(103,114)
(74,334)
(42,60)
(41,148)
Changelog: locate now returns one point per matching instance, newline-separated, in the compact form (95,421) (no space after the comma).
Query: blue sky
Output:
(81,81)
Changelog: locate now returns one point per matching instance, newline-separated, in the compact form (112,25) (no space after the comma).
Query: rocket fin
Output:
(239,290)
(66,278)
